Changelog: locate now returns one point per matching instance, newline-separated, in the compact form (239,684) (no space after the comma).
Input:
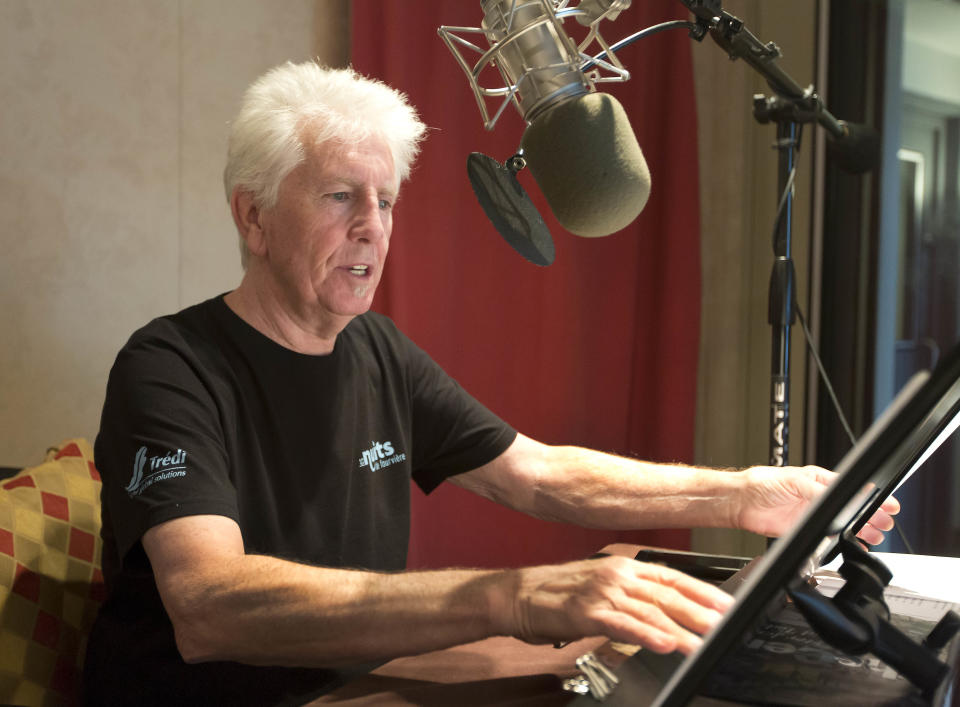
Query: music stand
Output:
(923,415)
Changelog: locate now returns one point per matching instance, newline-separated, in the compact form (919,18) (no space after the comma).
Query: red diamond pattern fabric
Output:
(55,505)
(26,583)
(19,481)
(49,537)
(6,542)
(81,544)
(72,449)
(46,630)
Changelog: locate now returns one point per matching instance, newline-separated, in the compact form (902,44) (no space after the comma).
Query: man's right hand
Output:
(656,607)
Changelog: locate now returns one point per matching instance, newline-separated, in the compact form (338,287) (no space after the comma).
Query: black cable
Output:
(836,404)
(824,377)
(649,31)
(788,187)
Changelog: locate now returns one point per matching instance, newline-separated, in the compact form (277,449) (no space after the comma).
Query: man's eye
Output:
(340,196)
(386,204)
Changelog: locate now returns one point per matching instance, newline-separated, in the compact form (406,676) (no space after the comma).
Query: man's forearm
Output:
(599,490)
(594,489)
(262,610)
(606,491)
(273,613)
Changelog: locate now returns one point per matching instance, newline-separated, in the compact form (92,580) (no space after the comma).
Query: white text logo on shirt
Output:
(162,466)
(380,455)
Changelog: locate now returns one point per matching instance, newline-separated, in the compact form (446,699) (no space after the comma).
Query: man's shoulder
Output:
(192,318)
(186,330)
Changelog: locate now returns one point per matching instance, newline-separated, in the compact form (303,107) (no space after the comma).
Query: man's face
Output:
(327,237)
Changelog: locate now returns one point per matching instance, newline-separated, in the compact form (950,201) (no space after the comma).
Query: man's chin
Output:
(364,293)
(355,307)
(348,302)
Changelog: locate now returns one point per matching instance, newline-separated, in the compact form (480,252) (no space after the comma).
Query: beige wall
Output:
(111,208)
(738,186)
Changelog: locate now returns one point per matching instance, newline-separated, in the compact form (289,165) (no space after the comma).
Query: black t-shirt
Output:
(311,455)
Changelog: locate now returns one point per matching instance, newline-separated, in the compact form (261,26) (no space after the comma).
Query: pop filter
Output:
(509,208)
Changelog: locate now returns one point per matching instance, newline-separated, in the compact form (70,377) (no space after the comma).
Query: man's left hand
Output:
(774,499)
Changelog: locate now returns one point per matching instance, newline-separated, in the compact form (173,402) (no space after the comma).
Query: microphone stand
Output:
(857,619)
(790,107)
(781,312)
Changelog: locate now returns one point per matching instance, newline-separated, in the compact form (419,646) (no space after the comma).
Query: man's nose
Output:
(368,220)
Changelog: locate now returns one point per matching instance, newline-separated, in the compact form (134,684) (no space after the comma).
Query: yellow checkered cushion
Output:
(50,580)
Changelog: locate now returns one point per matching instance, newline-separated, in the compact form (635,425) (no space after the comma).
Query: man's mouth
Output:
(359,270)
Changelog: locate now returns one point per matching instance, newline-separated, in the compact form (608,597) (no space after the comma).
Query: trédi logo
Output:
(149,470)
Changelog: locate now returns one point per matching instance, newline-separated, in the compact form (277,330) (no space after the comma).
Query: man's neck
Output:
(265,311)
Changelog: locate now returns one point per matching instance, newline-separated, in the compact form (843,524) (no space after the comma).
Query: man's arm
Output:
(227,605)
(597,490)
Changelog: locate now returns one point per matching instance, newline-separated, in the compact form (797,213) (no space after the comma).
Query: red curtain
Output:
(600,348)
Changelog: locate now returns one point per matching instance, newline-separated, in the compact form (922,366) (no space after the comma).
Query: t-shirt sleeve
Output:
(452,431)
(160,449)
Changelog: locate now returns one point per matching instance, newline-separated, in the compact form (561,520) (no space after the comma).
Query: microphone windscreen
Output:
(586,160)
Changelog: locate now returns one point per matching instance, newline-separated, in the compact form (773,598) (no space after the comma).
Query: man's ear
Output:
(247,216)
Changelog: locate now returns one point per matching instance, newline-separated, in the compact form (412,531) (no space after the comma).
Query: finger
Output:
(689,643)
(645,625)
(820,475)
(675,607)
(704,594)
(655,606)
(881,520)
(870,535)
(665,597)
(629,630)
(891,505)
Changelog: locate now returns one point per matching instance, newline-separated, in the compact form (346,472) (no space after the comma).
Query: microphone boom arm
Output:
(731,35)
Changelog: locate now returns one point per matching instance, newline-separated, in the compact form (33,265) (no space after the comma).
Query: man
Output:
(257,449)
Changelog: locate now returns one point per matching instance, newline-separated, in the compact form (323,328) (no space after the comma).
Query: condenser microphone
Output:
(578,144)
(586,160)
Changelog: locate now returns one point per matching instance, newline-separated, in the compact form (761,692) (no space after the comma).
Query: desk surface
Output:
(493,671)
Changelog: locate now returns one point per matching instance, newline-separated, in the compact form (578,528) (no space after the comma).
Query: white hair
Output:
(265,142)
